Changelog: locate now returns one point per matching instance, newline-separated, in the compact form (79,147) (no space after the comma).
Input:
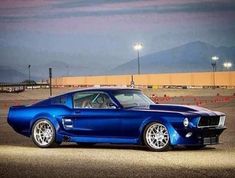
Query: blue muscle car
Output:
(118,116)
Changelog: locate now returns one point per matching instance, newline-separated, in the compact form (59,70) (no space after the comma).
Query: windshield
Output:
(132,98)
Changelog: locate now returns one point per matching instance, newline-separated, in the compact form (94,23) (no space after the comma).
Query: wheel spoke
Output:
(157,136)
(43,133)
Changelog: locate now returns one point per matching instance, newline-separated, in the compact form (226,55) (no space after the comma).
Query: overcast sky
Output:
(105,30)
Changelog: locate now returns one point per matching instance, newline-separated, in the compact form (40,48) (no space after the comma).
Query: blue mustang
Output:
(114,115)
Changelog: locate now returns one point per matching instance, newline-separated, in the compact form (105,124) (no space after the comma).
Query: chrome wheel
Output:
(156,137)
(43,133)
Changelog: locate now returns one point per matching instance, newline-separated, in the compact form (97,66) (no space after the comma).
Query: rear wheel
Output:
(43,134)
(156,137)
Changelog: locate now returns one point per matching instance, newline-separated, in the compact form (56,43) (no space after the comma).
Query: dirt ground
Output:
(37,94)
(19,157)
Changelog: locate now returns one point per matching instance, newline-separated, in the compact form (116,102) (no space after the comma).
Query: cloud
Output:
(199,7)
(83,3)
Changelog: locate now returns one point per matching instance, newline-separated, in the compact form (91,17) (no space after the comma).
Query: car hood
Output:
(180,108)
(183,109)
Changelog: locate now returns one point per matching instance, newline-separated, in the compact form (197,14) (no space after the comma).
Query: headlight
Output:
(186,122)
(221,121)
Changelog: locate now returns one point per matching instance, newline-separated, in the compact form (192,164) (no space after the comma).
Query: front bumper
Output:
(199,136)
(209,136)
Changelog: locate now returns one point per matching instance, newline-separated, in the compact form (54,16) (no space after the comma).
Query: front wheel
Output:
(156,137)
(43,134)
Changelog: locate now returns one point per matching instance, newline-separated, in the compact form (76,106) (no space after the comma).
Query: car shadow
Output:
(104,146)
(181,148)
(127,147)
(29,144)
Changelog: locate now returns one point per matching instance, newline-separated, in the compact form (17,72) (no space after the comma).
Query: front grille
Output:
(207,121)
(210,140)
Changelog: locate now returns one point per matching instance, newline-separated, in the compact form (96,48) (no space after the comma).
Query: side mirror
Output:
(112,106)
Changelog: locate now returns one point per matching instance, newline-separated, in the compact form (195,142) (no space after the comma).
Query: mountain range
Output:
(11,75)
(190,57)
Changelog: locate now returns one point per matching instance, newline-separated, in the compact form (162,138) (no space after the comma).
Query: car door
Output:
(95,114)
(131,118)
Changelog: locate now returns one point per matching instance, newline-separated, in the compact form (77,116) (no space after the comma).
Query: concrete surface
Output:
(20,158)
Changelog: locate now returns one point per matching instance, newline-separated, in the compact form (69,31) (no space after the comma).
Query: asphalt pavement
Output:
(19,157)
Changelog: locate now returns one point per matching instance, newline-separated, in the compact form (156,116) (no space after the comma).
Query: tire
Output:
(198,147)
(43,134)
(156,137)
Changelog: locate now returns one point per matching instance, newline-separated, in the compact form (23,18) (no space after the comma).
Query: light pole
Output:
(228,65)
(137,47)
(29,66)
(50,82)
(214,59)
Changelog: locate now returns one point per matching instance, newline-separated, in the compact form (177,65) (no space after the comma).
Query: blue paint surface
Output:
(113,125)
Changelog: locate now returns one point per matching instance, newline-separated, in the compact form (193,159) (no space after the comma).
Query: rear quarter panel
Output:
(23,118)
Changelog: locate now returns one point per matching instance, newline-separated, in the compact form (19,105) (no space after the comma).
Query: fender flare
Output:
(47,116)
(171,131)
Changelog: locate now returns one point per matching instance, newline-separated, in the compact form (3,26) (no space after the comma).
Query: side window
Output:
(133,99)
(95,100)
(59,100)
(82,99)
